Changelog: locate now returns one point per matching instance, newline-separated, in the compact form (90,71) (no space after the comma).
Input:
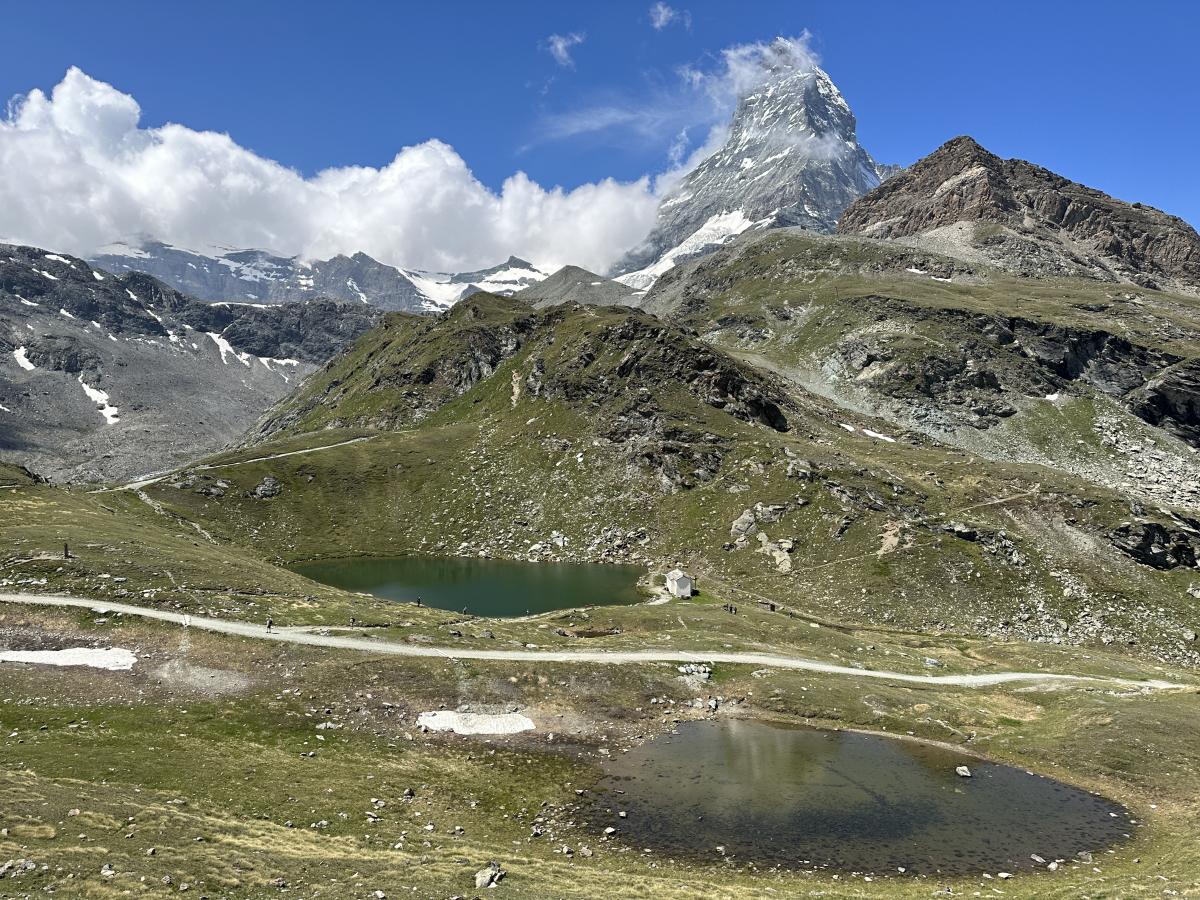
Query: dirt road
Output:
(607,657)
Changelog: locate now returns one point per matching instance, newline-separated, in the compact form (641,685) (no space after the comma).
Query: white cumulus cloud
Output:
(559,46)
(662,15)
(77,170)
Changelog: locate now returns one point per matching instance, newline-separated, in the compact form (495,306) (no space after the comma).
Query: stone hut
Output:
(680,584)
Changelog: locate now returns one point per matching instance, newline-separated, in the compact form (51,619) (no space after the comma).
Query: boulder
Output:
(268,487)
(744,525)
(489,876)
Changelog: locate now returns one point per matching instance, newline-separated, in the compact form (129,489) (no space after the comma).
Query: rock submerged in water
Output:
(962,771)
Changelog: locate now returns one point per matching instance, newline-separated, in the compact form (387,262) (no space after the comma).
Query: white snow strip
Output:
(1052,397)
(26,302)
(717,230)
(63,312)
(916,271)
(935,278)
(353,285)
(132,296)
(475,723)
(879,437)
(226,349)
(23,359)
(4,408)
(46,274)
(100,398)
(97,275)
(115,659)
(61,259)
(847,427)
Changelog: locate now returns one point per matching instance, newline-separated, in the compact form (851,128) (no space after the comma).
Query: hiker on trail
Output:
(270,622)
(418,603)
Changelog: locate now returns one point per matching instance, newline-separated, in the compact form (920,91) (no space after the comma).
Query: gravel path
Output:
(155,479)
(611,657)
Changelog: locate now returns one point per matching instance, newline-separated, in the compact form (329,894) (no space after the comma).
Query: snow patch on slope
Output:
(100,398)
(719,229)
(115,659)
(227,349)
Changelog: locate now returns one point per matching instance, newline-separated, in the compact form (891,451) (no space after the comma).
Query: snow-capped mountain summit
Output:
(506,279)
(792,158)
(262,276)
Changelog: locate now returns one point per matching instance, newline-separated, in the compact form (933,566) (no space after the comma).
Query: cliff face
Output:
(1042,223)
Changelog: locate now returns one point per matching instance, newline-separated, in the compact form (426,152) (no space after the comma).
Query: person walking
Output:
(270,622)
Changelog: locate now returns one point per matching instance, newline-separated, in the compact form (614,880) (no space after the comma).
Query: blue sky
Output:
(1103,92)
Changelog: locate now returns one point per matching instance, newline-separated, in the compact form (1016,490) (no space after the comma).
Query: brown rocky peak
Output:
(1046,214)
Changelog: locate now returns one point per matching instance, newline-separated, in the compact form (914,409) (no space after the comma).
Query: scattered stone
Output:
(962,771)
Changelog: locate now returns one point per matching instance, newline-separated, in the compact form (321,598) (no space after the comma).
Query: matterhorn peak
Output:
(792,157)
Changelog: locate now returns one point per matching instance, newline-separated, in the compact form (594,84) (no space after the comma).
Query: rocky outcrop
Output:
(652,354)
(1171,400)
(980,363)
(1157,545)
(1043,218)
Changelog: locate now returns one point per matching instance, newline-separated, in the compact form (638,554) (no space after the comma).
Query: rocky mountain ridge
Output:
(572,284)
(967,202)
(260,276)
(624,364)
(1077,374)
(108,376)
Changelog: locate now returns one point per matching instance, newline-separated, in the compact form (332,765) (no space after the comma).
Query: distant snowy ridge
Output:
(263,277)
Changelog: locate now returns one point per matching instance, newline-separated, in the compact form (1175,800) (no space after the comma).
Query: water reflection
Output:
(807,798)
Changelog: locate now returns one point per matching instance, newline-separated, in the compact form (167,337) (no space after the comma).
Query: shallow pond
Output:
(483,587)
(810,799)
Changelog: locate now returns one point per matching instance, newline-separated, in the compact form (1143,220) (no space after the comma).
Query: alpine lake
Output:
(482,587)
(749,792)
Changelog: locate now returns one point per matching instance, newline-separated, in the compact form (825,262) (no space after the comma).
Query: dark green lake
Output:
(839,801)
(483,587)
